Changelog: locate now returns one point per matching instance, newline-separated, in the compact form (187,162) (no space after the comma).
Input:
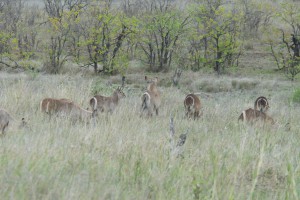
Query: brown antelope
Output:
(151,99)
(261,104)
(192,106)
(251,116)
(6,119)
(107,104)
(64,106)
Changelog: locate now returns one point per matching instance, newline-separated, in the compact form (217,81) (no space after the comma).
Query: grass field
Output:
(124,156)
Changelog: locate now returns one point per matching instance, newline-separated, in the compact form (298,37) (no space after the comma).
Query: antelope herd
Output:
(150,102)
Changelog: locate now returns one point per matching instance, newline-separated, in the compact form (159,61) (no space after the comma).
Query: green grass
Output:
(296,96)
(127,157)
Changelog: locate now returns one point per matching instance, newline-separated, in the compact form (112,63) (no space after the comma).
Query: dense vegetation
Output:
(161,34)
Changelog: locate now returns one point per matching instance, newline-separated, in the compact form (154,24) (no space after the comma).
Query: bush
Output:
(296,96)
(99,87)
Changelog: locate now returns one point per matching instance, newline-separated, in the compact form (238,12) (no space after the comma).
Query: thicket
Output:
(162,34)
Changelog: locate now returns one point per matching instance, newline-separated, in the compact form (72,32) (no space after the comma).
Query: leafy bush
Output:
(98,87)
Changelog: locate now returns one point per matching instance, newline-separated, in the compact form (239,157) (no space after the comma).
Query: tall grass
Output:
(124,156)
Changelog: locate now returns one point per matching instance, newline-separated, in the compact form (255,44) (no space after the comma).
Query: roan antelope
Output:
(192,106)
(252,116)
(65,106)
(261,104)
(151,99)
(107,104)
(6,119)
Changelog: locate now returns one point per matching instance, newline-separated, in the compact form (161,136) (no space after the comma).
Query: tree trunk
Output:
(95,67)
(218,57)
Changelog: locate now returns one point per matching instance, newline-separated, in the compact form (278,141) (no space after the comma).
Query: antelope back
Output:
(250,115)
(191,100)
(261,104)
(66,106)
(192,106)
(119,93)
(50,105)
(151,98)
(153,91)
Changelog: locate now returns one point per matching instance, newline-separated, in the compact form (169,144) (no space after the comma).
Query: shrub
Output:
(98,87)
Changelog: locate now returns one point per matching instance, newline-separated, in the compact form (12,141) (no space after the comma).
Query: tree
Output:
(61,14)
(104,31)
(218,28)
(162,26)
(10,16)
(256,14)
(285,48)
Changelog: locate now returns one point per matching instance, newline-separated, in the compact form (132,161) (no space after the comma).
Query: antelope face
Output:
(151,82)
(120,93)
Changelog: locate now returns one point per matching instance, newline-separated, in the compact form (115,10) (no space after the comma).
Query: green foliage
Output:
(103,36)
(160,34)
(5,41)
(215,39)
(296,96)
(284,40)
(100,87)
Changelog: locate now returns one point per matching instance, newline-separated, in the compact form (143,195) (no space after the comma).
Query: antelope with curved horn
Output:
(261,104)
(107,104)
(6,119)
(65,106)
(151,99)
(192,106)
(251,116)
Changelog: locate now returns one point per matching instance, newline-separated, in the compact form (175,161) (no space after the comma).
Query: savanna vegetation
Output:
(227,52)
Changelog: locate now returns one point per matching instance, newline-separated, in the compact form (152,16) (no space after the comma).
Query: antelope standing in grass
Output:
(6,119)
(261,104)
(252,116)
(64,106)
(192,106)
(107,104)
(151,99)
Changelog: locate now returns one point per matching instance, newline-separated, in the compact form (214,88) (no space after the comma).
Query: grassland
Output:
(124,156)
